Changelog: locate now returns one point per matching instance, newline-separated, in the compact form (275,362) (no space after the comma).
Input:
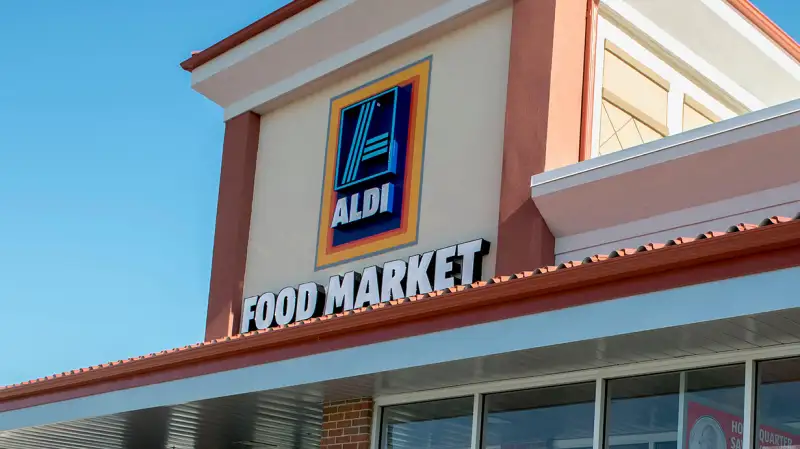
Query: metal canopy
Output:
(291,418)
(275,419)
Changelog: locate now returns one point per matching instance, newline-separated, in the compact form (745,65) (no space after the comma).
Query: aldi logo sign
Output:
(368,142)
(373,167)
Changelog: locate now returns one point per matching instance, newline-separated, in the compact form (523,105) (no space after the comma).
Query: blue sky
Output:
(109,169)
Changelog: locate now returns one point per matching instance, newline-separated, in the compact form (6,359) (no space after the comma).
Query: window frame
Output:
(609,35)
(601,376)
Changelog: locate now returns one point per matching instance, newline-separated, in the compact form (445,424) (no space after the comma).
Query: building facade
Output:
(483,224)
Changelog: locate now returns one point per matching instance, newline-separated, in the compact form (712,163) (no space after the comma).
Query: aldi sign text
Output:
(421,273)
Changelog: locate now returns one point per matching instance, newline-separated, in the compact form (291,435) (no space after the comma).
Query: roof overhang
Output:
(750,59)
(280,404)
(286,12)
(746,154)
(558,323)
(315,39)
(312,42)
(741,251)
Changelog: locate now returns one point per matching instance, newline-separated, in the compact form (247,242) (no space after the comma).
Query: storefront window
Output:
(778,404)
(703,408)
(546,418)
(443,424)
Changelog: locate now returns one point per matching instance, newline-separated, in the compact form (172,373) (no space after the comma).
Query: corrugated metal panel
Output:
(278,419)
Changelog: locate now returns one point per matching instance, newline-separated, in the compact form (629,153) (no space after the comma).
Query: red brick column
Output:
(347,424)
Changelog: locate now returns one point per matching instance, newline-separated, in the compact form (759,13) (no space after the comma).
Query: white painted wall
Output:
(461,172)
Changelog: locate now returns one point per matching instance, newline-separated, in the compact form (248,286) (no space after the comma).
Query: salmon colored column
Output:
(235,203)
(543,121)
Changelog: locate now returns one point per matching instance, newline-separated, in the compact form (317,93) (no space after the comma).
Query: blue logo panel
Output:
(371,132)
(372,150)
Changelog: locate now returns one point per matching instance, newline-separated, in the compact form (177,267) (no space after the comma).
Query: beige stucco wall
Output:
(461,172)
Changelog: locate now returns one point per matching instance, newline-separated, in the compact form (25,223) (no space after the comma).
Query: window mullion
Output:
(675,100)
(750,384)
(377,437)
(477,421)
(599,414)
(599,63)
(682,412)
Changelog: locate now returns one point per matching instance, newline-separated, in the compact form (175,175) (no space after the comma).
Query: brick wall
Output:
(346,424)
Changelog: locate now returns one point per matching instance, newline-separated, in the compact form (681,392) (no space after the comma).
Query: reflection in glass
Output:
(443,424)
(647,412)
(547,418)
(778,404)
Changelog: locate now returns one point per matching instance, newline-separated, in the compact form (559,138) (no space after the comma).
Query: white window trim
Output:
(600,376)
(675,99)
(699,65)
(682,406)
(679,86)
(599,428)
(599,65)
(478,418)
(748,422)
(377,436)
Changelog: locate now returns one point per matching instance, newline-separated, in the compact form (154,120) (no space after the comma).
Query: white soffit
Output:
(732,158)
(715,40)
(318,42)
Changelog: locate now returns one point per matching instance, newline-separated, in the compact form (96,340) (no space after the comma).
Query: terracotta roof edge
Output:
(272,19)
(739,241)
